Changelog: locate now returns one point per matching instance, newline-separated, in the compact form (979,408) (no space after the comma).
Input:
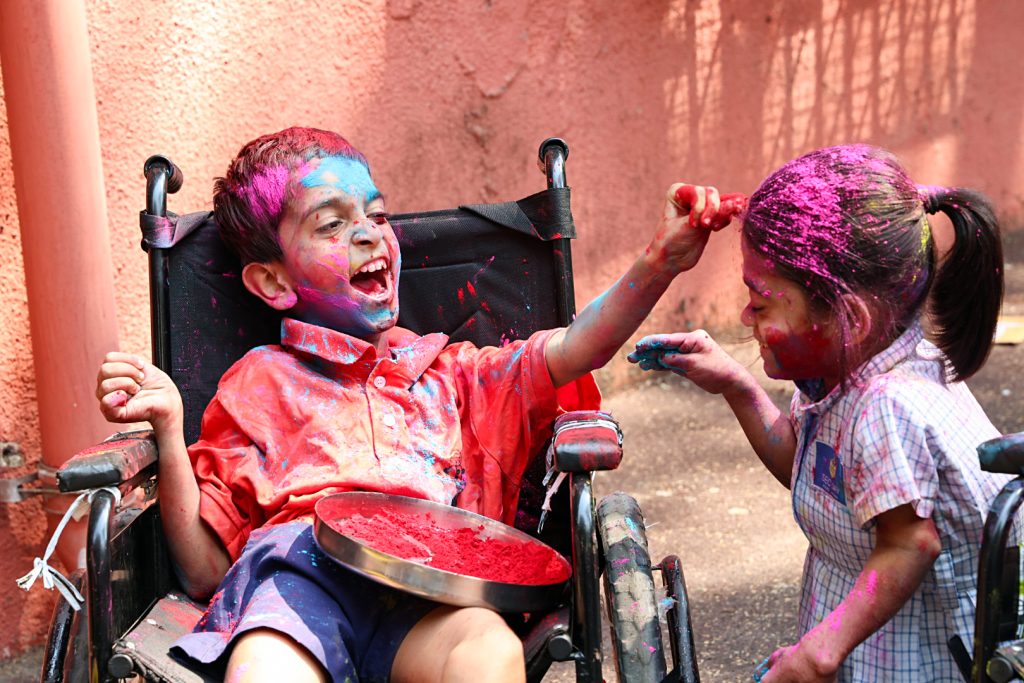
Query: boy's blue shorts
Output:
(283,581)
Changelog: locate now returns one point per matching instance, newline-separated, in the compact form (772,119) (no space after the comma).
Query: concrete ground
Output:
(707,499)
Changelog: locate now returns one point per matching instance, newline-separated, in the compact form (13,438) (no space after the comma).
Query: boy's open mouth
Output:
(373,278)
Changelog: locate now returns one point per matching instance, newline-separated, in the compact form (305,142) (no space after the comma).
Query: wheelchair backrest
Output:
(482,273)
(486,273)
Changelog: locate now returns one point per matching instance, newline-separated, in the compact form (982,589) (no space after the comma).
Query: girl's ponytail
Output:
(968,287)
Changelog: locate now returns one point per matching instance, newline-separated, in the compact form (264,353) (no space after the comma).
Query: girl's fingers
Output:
(660,341)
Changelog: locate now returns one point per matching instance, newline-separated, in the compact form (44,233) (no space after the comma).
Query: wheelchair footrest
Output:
(147,644)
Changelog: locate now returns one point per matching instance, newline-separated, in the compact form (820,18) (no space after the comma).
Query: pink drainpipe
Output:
(58,176)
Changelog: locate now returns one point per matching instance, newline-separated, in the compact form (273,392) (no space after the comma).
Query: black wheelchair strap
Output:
(544,215)
(162,233)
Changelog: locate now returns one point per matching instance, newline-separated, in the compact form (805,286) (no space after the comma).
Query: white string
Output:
(551,491)
(41,568)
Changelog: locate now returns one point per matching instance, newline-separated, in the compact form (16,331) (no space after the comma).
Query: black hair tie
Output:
(929,197)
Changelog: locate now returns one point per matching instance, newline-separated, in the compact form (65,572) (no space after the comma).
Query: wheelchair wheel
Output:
(629,591)
(66,656)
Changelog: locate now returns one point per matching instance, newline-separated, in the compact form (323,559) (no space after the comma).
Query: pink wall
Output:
(450,100)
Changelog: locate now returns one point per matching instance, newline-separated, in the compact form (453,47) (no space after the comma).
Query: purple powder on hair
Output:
(265,193)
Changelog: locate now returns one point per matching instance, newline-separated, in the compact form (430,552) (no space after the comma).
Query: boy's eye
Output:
(328,227)
(378,217)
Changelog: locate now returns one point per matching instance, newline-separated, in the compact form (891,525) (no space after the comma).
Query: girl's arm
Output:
(905,549)
(696,356)
(691,214)
(133,390)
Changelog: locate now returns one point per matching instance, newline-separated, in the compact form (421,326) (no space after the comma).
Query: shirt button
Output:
(388,420)
(379,382)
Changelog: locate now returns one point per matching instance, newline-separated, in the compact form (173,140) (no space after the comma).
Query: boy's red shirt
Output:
(318,415)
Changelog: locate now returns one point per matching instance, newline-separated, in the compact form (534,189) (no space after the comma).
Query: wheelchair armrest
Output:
(1004,455)
(115,461)
(586,441)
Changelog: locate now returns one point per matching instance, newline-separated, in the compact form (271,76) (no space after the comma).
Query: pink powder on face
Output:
(464,550)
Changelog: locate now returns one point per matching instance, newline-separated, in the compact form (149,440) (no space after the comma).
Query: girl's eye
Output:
(755,309)
(379,217)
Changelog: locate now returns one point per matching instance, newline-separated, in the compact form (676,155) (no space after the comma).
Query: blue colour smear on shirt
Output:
(348,175)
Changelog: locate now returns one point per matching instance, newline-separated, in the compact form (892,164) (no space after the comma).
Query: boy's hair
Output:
(848,220)
(250,200)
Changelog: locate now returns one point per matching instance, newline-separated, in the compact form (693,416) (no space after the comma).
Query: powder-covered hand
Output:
(131,389)
(691,213)
(705,207)
(793,664)
(693,355)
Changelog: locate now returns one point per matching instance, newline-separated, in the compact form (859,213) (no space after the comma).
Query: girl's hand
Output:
(792,664)
(131,389)
(693,355)
(691,213)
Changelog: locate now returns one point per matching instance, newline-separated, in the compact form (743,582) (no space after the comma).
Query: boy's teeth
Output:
(372,267)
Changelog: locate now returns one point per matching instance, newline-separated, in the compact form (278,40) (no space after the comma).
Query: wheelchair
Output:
(998,652)
(517,257)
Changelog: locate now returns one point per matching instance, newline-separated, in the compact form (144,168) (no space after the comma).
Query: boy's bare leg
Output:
(453,644)
(266,655)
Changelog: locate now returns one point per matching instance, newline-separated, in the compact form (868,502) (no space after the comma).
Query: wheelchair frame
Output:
(999,581)
(118,595)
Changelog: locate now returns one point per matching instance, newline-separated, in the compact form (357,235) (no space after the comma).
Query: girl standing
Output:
(878,447)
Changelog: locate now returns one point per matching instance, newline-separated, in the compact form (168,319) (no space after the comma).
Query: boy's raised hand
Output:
(693,355)
(131,389)
(691,213)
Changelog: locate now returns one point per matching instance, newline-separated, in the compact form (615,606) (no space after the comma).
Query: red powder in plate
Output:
(464,550)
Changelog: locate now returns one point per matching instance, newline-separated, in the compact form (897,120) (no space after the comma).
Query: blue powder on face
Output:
(348,175)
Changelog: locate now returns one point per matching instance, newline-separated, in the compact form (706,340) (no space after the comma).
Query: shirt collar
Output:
(811,396)
(411,354)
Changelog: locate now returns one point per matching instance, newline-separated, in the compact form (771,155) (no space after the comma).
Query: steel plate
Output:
(419,579)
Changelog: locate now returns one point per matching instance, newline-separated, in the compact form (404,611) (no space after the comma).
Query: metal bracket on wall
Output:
(19,488)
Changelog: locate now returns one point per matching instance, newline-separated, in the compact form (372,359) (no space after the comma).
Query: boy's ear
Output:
(270,282)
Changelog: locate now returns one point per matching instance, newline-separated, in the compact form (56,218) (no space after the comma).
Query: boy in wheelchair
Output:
(349,401)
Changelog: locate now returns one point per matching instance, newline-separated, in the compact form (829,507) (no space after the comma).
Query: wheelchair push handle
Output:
(551,160)
(158,162)
(1003,455)
(163,177)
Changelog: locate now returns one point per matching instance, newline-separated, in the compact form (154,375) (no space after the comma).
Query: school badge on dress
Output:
(828,472)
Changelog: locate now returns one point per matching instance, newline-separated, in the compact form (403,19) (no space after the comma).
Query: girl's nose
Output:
(747,316)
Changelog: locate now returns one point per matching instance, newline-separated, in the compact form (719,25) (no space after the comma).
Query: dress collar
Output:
(411,354)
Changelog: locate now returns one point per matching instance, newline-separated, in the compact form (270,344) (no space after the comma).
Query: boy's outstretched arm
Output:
(696,356)
(130,389)
(691,213)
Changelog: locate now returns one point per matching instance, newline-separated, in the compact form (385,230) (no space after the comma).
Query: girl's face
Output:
(795,342)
